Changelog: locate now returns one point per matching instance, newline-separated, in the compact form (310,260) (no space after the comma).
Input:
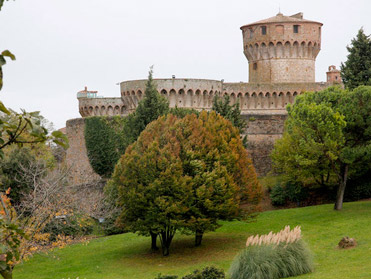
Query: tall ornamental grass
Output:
(274,255)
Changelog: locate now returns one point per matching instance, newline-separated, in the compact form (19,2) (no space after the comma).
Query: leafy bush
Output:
(278,195)
(70,226)
(291,191)
(295,191)
(110,228)
(272,261)
(358,188)
(207,273)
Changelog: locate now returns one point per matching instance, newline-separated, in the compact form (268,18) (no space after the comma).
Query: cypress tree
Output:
(356,70)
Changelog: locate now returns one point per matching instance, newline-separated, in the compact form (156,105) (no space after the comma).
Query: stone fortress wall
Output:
(281,52)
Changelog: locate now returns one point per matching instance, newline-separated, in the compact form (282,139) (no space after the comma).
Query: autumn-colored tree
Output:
(184,174)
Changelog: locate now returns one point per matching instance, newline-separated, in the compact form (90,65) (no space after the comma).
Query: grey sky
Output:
(63,45)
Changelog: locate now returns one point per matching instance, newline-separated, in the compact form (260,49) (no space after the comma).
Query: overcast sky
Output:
(63,45)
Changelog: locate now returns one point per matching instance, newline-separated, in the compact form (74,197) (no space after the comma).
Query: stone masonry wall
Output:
(262,131)
(76,157)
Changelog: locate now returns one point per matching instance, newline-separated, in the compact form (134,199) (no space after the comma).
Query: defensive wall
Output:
(281,52)
(263,106)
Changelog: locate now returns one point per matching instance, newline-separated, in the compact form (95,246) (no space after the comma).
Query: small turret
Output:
(333,75)
(86,94)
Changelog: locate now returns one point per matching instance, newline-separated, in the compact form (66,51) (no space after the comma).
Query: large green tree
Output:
(356,70)
(327,137)
(184,174)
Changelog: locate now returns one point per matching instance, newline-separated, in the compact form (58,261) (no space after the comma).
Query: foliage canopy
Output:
(184,174)
(327,137)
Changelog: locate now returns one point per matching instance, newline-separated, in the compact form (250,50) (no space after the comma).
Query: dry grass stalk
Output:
(284,236)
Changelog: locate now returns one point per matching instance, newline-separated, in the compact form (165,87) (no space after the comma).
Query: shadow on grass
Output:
(215,247)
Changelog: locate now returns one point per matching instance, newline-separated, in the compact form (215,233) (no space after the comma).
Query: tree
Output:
(327,137)
(150,108)
(19,231)
(230,112)
(184,174)
(356,70)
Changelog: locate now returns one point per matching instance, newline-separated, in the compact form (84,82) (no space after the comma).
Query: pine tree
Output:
(356,70)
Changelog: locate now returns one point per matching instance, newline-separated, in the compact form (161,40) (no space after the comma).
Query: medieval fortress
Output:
(281,52)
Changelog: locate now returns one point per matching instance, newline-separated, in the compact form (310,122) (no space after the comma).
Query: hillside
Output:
(128,256)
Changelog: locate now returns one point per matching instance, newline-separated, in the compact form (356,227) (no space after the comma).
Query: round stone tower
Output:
(282,49)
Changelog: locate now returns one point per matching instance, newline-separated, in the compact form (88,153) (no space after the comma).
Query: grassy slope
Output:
(127,255)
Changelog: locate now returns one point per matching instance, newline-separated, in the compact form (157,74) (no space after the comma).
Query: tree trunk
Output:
(7,274)
(166,237)
(198,238)
(341,189)
(154,247)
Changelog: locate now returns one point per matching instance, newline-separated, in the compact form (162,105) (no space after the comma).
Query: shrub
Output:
(273,256)
(70,226)
(291,191)
(278,195)
(109,226)
(358,188)
(295,191)
(207,273)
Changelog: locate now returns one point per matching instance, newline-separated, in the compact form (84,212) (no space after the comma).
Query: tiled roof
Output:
(280,18)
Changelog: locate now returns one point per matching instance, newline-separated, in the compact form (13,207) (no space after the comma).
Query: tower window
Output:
(255,66)
(296,28)
(264,30)
(251,33)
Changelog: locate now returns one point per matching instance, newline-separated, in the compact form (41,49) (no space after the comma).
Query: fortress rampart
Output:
(281,52)
(198,94)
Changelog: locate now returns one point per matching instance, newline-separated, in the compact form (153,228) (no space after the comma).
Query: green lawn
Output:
(127,255)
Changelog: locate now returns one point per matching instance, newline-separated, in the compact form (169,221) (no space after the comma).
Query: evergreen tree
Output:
(356,70)
(231,112)
(151,107)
